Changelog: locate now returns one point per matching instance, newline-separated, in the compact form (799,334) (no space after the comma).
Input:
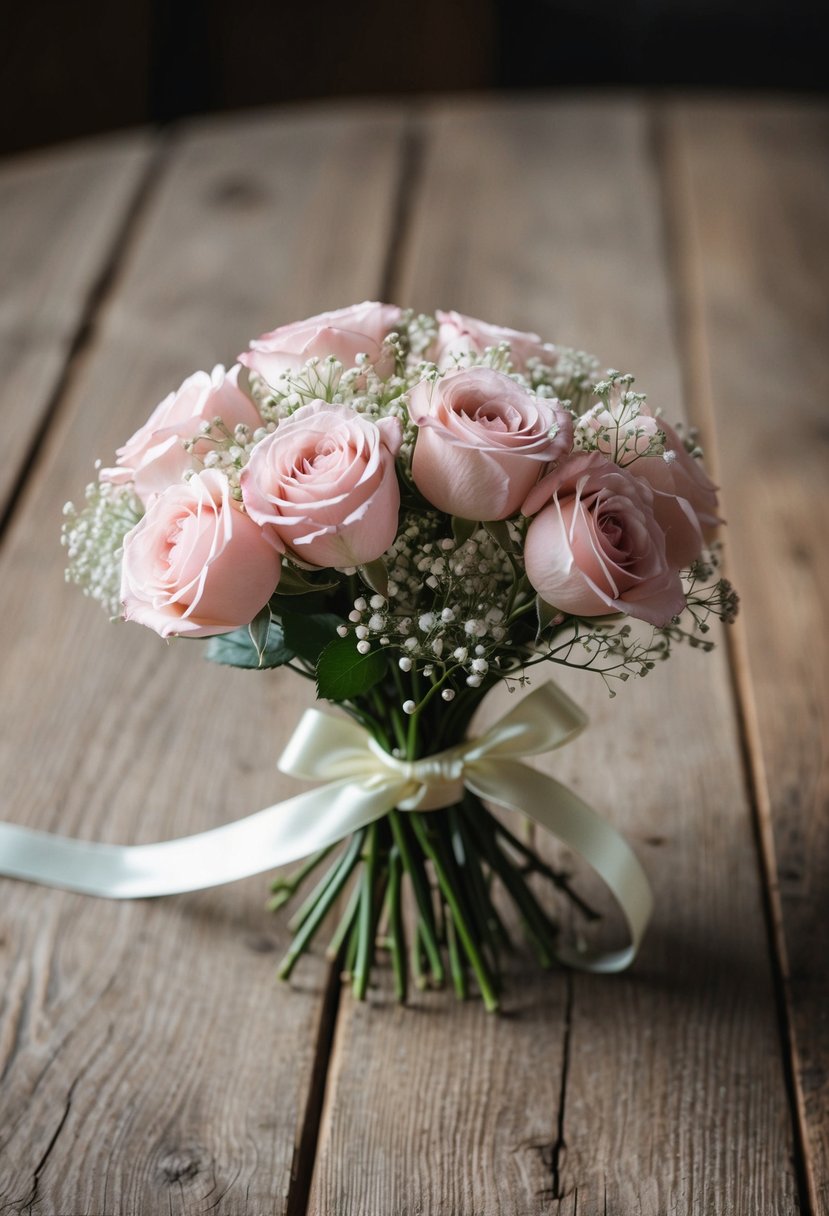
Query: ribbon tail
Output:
(555,807)
(269,838)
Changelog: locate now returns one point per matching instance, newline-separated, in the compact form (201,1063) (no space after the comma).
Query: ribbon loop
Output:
(363,783)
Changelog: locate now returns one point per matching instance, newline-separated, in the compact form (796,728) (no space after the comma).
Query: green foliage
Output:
(308,634)
(498,529)
(294,581)
(462,529)
(259,629)
(238,649)
(375,575)
(343,673)
(546,614)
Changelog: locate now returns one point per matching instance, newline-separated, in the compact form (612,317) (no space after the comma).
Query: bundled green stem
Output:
(425,887)
(430,889)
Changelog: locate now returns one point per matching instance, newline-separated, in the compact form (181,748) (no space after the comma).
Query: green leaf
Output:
(375,575)
(343,673)
(290,605)
(294,581)
(462,529)
(546,614)
(237,649)
(259,629)
(308,634)
(498,529)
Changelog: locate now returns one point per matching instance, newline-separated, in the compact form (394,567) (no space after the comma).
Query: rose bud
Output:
(344,333)
(597,547)
(324,482)
(460,336)
(155,456)
(483,441)
(196,564)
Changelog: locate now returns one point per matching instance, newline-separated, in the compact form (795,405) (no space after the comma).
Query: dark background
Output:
(73,67)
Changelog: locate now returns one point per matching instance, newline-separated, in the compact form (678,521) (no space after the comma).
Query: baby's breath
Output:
(446,605)
(417,331)
(570,377)
(456,612)
(617,424)
(94,537)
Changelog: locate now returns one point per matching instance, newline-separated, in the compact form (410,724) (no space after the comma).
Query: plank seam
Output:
(412,146)
(299,1195)
(101,288)
(678,230)
(560,1143)
(306,1150)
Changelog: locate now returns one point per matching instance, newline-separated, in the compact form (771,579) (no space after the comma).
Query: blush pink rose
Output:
(459,336)
(155,456)
(196,564)
(483,442)
(597,546)
(344,333)
(325,483)
(685,497)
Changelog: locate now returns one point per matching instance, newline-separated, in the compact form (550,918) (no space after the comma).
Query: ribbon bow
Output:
(363,783)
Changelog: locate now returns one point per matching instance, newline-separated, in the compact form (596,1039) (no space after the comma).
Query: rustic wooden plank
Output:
(750,194)
(60,215)
(657,1090)
(152,1061)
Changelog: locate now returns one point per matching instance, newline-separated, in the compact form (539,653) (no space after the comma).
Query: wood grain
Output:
(151,1061)
(62,214)
(750,195)
(661,1089)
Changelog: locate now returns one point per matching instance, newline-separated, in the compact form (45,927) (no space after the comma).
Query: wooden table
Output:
(151,1061)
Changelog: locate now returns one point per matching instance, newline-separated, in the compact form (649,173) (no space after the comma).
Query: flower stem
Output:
(535,864)
(489,922)
(540,929)
(366,916)
(397,939)
(312,899)
(456,964)
(423,897)
(418,958)
(450,895)
(285,888)
(320,910)
(346,921)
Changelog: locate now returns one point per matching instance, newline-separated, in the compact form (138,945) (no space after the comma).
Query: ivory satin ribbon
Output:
(363,783)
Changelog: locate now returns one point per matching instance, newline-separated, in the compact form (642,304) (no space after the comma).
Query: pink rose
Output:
(196,564)
(155,456)
(459,336)
(483,441)
(345,333)
(325,483)
(598,547)
(685,498)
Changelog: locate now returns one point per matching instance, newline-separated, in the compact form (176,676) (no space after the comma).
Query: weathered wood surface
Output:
(750,195)
(150,1063)
(63,216)
(662,1089)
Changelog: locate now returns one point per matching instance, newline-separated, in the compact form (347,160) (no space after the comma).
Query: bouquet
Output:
(408,510)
